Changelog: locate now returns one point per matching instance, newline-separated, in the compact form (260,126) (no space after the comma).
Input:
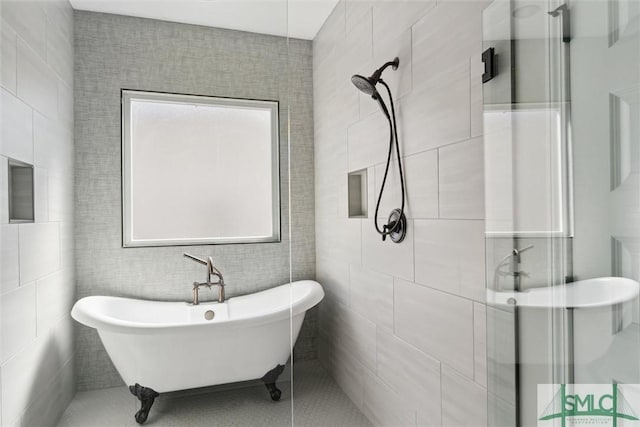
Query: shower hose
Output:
(393,226)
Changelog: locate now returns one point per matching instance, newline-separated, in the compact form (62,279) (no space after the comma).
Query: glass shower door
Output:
(561,126)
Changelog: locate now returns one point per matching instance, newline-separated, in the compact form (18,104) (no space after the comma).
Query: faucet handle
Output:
(195,258)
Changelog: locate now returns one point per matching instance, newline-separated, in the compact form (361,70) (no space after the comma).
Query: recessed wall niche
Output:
(357,186)
(20,192)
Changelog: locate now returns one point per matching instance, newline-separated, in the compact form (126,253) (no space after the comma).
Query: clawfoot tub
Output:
(159,347)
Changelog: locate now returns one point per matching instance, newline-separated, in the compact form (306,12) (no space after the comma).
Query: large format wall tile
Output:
(385,257)
(464,403)
(344,366)
(371,295)
(52,144)
(54,300)
(60,52)
(39,250)
(392,18)
(18,320)
(9,259)
(480,343)
(333,274)
(17,128)
(368,142)
(355,333)
(461,180)
(37,83)
(437,323)
(8,46)
(421,186)
(41,194)
(28,19)
(451,254)
(437,48)
(386,49)
(385,407)
(412,374)
(28,373)
(438,114)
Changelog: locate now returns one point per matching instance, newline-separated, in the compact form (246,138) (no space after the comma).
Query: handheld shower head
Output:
(367,85)
(363,84)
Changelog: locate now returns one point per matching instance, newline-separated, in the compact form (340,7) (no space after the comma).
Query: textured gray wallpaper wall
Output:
(115,52)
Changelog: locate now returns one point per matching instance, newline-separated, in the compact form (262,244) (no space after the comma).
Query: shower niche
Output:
(357,194)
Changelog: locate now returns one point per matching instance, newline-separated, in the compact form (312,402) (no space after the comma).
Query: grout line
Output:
(443,291)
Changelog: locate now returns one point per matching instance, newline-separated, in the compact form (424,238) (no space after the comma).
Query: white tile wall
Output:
(432,348)
(9,260)
(452,256)
(37,369)
(17,128)
(37,83)
(390,19)
(385,407)
(437,114)
(480,343)
(18,320)
(26,375)
(382,256)
(435,322)
(347,370)
(461,173)
(52,144)
(54,299)
(438,49)
(356,334)
(41,193)
(8,67)
(386,49)
(334,276)
(371,295)
(421,186)
(457,389)
(412,374)
(39,250)
(368,142)
(28,19)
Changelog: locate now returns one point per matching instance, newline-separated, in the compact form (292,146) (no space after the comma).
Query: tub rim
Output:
(84,311)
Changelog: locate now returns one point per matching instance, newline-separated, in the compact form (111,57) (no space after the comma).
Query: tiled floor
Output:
(318,402)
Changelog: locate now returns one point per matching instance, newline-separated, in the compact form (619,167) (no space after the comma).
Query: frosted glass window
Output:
(199,170)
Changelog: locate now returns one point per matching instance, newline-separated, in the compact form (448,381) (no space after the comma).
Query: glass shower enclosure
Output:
(561,94)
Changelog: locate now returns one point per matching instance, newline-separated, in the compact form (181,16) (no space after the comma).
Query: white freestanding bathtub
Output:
(166,346)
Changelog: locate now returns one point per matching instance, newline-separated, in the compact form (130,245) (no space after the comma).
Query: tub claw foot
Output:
(146,396)
(274,391)
(270,381)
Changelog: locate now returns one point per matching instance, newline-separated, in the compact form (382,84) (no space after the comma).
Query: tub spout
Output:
(212,271)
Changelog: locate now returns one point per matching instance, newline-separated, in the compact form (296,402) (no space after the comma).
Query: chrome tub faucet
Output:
(212,271)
